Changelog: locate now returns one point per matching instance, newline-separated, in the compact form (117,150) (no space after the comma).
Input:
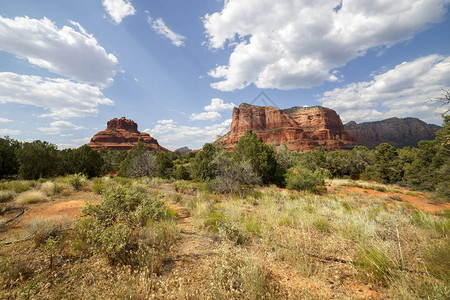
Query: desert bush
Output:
(18,186)
(123,180)
(30,197)
(118,228)
(185,187)
(301,179)
(233,233)
(233,176)
(153,209)
(48,188)
(77,180)
(6,196)
(144,164)
(181,173)
(41,229)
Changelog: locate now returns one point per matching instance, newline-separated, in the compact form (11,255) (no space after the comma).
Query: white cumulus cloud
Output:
(219,105)
(161,28)
(69,51)
(3,120)
(173,136)
(59,127)
(205,116)
(61,97)
(289,44)
(170,121)
(118,9)
(4,131)
(403,91)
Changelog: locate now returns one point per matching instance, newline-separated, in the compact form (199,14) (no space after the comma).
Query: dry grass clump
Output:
(238,274)
(41,229)
(30,197)
(6,196)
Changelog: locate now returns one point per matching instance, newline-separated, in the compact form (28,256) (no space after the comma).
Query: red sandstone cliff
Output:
(122,134)
(299,128)
(398,132)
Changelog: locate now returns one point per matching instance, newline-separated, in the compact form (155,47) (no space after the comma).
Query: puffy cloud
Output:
(298,44)
(400,92)
(62,97)
(218,105)
(206,116)
(82,141)
(170,121)
(69,51)
(160,28)
(118,9)
(58,127)
(3,120)
(5,131)
(173,136)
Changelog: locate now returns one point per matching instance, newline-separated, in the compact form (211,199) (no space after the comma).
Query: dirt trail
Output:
(188,273)
(416,199)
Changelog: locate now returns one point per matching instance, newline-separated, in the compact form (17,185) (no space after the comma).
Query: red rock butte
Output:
(122,134)
(299,128)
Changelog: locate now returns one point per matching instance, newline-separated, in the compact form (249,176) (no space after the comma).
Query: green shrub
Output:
(77,181)
(301,179)
(18,186)
(153,209)
(123,180)
(115,242)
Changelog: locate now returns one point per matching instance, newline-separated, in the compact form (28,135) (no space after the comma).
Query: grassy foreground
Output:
(154,239)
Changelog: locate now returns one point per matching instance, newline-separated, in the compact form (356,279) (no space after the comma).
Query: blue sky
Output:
(177,68)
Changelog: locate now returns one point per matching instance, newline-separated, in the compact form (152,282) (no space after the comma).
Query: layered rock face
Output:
(299,128)
(122,134)
(398,132)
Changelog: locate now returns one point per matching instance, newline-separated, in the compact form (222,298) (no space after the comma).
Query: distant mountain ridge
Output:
(184,149)
(399,132)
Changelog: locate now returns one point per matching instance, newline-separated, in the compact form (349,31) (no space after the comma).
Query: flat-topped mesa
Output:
(122,134)
(299,128)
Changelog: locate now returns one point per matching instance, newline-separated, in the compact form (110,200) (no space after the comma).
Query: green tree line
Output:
(425,167)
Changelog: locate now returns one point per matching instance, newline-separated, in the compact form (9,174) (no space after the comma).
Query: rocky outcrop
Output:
(398,132)
(299,128)
(122,134)
(183,150)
